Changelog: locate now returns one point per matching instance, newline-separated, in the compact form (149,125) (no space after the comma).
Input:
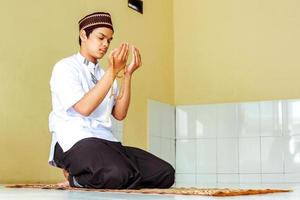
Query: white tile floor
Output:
(26,194)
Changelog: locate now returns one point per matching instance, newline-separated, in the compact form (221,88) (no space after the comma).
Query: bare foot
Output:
(66,182)
(66,174)
(63,184)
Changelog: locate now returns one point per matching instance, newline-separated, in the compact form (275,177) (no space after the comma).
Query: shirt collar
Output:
(90,65)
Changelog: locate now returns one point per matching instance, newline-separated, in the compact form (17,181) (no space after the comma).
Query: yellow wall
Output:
(224,51)
(231,51)
(37,33)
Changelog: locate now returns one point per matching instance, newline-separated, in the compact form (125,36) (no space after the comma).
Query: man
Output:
(84,97)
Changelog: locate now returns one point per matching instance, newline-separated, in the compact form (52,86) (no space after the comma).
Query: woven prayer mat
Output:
(176,191)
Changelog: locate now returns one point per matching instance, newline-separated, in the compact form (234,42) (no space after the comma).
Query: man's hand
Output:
(118,57)
(135,63)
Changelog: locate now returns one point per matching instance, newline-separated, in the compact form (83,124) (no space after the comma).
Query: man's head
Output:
(95,33)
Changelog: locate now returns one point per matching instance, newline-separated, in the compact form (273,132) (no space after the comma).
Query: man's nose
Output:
(105,43)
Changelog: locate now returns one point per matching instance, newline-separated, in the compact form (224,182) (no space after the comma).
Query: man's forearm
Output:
(95,96)
(122,104)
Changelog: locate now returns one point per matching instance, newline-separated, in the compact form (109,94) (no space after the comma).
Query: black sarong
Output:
(98,163)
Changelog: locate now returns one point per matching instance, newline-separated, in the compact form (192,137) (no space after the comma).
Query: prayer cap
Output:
(96,19)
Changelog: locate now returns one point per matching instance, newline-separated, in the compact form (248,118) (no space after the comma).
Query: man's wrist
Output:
(127,75)
(111,71)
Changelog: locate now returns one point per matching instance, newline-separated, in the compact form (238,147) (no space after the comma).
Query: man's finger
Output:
(138,57)
(125,57)
(118,50)
(133,56)
(111,56)
(121,52)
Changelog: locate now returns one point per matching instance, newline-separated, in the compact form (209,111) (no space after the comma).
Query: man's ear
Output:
(82,35)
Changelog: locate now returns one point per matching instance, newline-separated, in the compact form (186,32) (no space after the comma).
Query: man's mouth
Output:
(102,51)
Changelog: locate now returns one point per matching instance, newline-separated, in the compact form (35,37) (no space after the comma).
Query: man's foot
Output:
(63,184)
(66,174)
(66,182)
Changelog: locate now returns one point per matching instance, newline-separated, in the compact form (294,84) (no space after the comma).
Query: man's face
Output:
(98,42)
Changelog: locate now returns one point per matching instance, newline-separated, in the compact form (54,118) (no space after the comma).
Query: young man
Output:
(84,97)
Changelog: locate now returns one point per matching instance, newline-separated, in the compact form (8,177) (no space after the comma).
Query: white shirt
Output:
(71,79)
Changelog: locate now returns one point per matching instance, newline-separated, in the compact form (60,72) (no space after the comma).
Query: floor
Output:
(26,194)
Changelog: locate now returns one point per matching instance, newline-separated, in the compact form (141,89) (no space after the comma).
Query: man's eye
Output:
(101,38)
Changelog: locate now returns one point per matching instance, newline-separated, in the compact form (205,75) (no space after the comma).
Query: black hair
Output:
(88,31)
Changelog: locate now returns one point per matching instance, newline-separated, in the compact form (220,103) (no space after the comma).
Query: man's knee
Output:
(169,174)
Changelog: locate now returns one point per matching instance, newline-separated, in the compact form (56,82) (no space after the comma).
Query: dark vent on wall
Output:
(136,5)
